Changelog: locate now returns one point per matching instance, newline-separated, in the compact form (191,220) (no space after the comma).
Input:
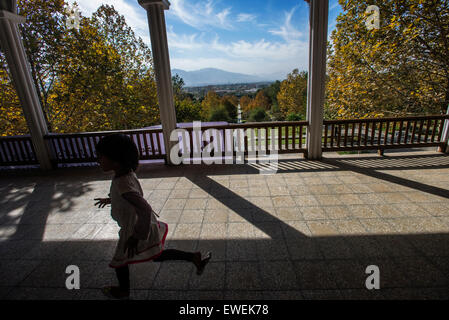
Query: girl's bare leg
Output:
(194,257)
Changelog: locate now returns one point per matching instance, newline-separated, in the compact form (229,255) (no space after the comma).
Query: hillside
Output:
(211,76)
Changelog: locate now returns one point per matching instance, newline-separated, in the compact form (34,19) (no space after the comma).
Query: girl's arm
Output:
(143,211)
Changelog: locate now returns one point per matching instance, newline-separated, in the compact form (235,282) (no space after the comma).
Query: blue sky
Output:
(245,36)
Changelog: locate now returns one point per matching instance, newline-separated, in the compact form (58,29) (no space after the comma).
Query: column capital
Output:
(148,3)
(7,15)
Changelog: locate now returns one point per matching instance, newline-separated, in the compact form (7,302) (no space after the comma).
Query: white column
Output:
(445,135)
(12,46)
(317,75)
(158,33)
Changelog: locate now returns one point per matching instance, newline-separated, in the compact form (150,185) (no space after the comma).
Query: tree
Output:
(245,102)
(106,81)
(257,115)
(401,68)
(220,114)
(271,92)
(295,117)
(276,114)
(178,88)
(260,101)
(43,35)
(99,77)
(292,96)
(230,104)
(232,99)
(211,102)
(188,110)
(12,121)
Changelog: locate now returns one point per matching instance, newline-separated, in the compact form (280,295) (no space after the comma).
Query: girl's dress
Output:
(125,215)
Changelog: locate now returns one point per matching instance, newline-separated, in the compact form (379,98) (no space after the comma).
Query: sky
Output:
(257,37)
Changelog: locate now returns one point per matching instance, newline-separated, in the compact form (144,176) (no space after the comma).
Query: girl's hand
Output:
(102,202)
(131,245)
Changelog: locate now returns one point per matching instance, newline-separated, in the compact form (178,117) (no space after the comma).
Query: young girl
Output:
(141,235)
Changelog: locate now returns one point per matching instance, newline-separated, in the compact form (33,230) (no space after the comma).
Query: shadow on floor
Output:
(279,260)
(291,267)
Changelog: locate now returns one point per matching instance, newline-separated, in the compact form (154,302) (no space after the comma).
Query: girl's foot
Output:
(201,263)
(115,292)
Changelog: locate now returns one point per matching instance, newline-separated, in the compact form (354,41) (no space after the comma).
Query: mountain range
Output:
(212,76)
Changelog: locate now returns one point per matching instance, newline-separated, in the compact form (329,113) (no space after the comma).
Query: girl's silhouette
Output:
(141,235)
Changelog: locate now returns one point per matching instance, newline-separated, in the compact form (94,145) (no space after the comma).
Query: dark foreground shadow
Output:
(279,260)
(291,267)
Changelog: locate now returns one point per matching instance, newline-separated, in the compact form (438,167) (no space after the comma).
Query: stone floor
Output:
(307,232)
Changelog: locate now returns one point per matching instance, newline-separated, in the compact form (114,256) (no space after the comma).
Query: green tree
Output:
(276,114)
(178,88)
(401,68)
(230,108)
(295,117)
(188,110)
(220,114)
(272,91)
(258,115)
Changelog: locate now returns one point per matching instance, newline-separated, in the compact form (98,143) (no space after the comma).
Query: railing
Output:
(80,147)
(245,138)
(383,133)
(17,150)
(238,139)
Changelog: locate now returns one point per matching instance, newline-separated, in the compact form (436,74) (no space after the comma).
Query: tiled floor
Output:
(307,232)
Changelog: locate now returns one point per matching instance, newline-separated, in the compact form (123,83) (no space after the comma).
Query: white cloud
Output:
(287,31)
(135,16)
(200,15)
(222,16)
(191,52)
(245,17)
(260,56)
(184,41)
(205,48)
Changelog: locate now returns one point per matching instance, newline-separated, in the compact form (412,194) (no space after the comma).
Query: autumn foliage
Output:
(402,68)
(99,77)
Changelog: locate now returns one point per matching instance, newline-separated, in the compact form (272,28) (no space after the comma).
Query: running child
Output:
(141,235)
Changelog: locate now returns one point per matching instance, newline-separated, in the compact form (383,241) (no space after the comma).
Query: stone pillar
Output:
(316,77)
(158,33)
(12,46)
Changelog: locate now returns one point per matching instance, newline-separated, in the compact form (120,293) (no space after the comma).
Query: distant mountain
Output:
(211,76)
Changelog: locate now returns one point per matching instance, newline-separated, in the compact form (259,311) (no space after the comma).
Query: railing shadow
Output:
(25,207)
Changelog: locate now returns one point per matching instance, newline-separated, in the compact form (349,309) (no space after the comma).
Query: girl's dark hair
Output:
(120,148)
